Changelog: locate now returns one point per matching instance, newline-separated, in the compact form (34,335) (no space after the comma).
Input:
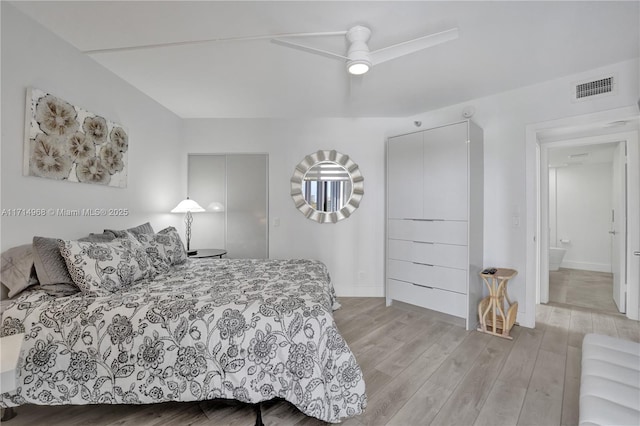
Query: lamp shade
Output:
(187,205)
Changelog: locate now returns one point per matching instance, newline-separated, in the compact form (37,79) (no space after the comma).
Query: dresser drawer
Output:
(429,253)
(435,231)
(432,276)
(431,298)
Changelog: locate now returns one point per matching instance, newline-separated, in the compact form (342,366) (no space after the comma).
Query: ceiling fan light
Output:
(358,67)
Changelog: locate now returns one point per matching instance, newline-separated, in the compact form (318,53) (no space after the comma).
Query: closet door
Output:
(404,176)
(207,185)
(446,173)
(247,206)
(239,184)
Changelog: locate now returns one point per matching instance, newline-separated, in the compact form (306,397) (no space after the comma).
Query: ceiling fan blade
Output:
(213,40)
(308,49)
(405,48)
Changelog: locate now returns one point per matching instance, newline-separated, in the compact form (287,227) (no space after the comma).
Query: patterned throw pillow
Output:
(103,268)
(159,260)
(173,247)
(164,248)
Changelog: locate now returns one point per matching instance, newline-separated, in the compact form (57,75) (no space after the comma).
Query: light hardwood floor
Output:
(587,289)
(420,368)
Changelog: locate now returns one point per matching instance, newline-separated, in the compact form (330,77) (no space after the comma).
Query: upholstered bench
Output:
(610,381)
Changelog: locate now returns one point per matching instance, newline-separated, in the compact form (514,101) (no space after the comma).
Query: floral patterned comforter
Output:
(250,330)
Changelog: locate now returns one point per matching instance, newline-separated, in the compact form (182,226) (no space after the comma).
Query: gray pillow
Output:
(16,269)
(145,228)
(105,237)
(50,265)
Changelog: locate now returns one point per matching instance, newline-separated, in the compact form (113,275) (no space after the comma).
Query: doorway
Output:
(587,223)
(603,127)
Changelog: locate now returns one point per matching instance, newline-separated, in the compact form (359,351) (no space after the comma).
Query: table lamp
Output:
(187,206)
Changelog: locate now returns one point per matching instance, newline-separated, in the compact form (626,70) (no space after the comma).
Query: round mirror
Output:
(327,186)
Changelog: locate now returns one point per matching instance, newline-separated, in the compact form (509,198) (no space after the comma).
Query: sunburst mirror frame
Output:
(357,181)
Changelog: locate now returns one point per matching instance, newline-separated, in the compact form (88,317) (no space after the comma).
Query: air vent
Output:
(594,88)
(578,156)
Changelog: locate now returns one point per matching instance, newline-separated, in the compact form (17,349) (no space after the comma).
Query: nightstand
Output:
(203,253)
(10,347)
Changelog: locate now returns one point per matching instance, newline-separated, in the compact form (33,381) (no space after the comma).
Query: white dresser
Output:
(435,219)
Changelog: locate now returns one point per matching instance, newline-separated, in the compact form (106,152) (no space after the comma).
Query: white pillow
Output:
(105,267)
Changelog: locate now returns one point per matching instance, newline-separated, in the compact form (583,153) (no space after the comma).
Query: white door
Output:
(619,228)
(446,172)
(247,206)
(404,176)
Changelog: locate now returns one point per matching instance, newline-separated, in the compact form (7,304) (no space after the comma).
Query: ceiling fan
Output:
(359,59)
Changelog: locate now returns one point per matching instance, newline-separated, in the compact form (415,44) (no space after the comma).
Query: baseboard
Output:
(586,266)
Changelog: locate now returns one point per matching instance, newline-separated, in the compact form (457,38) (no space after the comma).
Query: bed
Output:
(247,330)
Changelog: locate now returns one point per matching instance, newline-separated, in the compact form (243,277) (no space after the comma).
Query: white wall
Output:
(504,118)
(583,215)
(352,249)
(33,56)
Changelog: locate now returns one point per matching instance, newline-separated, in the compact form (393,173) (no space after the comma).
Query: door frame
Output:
(544,196)
(536,261)
(618,227)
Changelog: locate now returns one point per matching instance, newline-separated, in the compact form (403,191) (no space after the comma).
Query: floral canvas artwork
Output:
(64,142)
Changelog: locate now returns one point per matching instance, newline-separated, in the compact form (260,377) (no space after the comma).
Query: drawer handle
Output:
(425,220)
(423,286)
(423,264)
(423,242)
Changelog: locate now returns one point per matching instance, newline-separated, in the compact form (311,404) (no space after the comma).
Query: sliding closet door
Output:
(247,206)
(207,183)
(233,188)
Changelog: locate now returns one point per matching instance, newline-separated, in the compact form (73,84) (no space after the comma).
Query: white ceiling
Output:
(502,46)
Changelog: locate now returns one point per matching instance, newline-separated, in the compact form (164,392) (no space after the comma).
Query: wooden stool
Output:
(491,309)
